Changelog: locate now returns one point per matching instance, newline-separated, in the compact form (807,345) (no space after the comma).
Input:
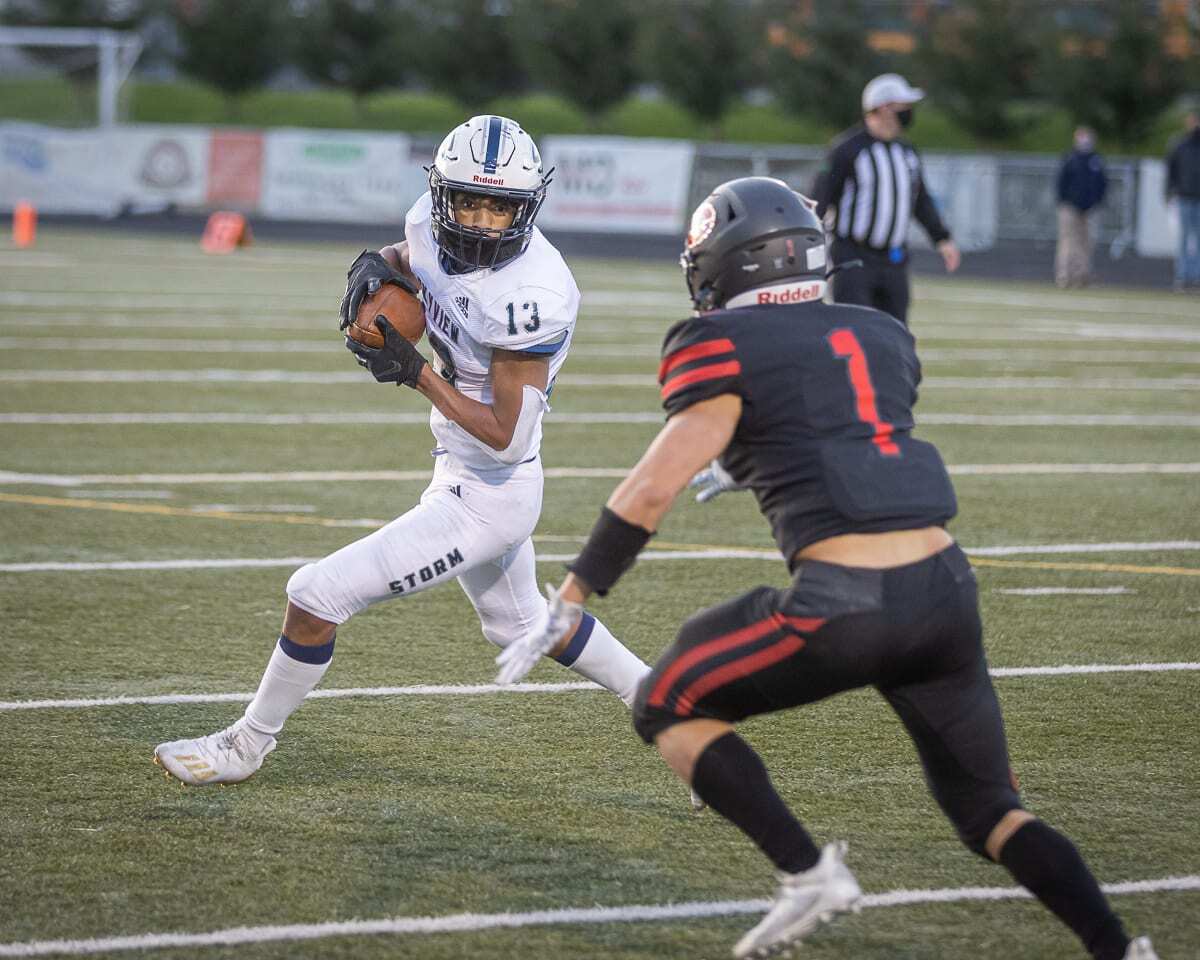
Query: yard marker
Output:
(473,922)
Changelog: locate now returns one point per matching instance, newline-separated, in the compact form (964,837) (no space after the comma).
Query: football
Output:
(396,305)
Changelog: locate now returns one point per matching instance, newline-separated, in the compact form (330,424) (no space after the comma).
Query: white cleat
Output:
(803,902)
(227,756)
(698,803)
(1140,949)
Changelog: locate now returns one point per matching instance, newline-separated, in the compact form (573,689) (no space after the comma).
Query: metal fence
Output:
(1025,198)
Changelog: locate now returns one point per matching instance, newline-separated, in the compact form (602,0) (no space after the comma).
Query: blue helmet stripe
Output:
(493,145)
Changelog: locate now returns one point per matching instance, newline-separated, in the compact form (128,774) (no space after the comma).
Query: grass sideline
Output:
(432,806)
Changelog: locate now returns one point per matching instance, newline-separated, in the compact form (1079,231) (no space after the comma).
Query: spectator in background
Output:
(1183,186)
(872,187)
(1081,186)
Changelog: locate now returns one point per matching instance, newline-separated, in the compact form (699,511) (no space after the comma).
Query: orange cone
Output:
(224,232)
(24,227)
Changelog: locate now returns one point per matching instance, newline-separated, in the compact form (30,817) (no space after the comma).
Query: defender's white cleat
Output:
(227,756)
(803,902)
(1140,949)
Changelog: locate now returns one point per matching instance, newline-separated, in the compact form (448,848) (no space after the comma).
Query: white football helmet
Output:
(492,156)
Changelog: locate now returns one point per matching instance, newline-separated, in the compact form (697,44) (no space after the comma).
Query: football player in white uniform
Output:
(500,306)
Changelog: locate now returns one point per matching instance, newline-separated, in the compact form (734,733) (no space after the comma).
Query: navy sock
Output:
(1047,864)
(307,654)
(579,641)
(730,777)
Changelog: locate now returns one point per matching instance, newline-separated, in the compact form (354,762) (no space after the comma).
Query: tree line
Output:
(1113,64)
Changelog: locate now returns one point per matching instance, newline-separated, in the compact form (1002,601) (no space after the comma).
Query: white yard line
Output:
(1066,591)
(1041,357)
(1071,303)
(634,349)
(473,922)
(9,477)
(1142,546)
(345,418)
(646,381)
(489,689)
(731,553)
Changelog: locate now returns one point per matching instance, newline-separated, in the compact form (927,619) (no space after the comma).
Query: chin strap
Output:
(844,265)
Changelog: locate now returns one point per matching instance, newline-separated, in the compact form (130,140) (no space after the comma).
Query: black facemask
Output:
(905,117)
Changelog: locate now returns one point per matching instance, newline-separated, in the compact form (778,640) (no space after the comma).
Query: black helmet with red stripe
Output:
(754,234)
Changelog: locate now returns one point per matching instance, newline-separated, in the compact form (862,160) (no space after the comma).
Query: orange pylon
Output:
(24,226)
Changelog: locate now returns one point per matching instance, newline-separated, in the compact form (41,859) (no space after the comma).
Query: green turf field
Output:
(159,405)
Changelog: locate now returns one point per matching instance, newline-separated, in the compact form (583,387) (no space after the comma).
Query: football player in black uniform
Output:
(810,406)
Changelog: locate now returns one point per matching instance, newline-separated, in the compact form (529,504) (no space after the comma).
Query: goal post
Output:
(115,54)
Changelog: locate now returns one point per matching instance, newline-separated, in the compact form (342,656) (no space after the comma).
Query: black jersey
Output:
(825,436)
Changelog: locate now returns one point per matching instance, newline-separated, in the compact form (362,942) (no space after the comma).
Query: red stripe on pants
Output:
(742,667)
(729,641)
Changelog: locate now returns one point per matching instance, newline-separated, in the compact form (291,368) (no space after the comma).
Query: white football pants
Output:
(472,526)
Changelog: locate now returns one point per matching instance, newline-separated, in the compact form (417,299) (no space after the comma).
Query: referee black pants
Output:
(877,283)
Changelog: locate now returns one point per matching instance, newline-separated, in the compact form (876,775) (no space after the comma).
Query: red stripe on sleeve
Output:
(730,368)
(706,348)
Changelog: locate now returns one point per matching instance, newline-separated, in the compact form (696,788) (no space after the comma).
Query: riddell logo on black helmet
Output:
(800,293)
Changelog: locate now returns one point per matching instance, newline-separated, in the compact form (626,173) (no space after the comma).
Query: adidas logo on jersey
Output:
(464,305)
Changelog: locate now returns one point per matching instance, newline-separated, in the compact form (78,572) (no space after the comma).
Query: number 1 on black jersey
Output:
(845,345)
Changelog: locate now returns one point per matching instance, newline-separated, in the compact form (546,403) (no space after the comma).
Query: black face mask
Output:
(905,117)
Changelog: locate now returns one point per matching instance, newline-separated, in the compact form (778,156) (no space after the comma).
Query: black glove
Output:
(397,361)
(364,278)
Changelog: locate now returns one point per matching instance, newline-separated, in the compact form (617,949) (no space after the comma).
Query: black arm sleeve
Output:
(927,214)
(831,181)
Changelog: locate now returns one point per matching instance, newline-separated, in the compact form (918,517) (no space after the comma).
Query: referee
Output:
(871,187)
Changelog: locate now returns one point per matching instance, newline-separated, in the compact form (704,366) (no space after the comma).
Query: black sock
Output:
(1047,864)
(731,779)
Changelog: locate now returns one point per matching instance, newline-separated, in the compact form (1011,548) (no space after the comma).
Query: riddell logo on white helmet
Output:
(490,181)
(805,292)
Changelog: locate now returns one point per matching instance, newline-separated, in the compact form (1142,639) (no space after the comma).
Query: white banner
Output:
(1157,220)
(157,165)
(339,175)
(964,188)
(617,185)
(102,172)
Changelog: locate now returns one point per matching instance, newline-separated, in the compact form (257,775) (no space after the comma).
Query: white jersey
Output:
(529,304)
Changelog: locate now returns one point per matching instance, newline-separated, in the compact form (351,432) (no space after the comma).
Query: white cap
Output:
(889,88)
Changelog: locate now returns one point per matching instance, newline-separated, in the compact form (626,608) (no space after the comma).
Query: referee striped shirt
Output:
(874,189)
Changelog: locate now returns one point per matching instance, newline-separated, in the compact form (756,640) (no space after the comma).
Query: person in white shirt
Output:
(500,307)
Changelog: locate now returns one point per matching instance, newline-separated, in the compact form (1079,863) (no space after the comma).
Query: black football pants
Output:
(912,632)
(877,283)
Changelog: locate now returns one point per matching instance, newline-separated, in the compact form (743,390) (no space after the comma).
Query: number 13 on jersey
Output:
(527,309)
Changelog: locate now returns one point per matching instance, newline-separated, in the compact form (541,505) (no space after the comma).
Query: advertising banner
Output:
(159,165)
(58,171)
(339,175)
(617,185)
(102,172)
(235,162)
